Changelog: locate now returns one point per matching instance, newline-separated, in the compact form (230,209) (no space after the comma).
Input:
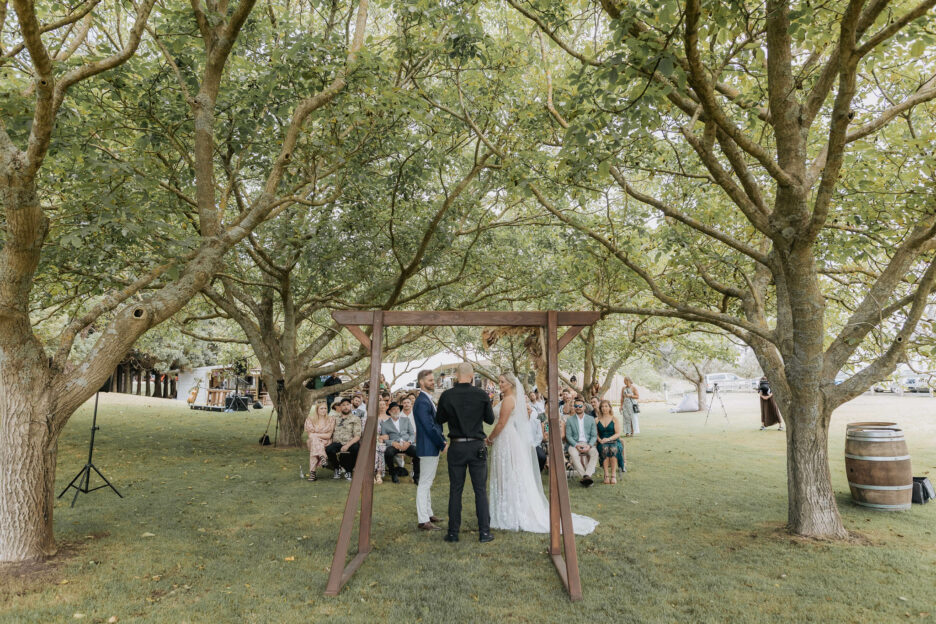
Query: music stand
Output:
(84,475)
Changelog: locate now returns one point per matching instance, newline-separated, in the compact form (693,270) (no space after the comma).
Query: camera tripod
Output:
(84,476)
(716,394)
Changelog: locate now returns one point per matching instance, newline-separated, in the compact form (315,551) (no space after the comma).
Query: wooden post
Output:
(556,457)
(362,482)
(568,569)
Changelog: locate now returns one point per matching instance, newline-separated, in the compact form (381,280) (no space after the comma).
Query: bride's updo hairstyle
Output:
(512,379)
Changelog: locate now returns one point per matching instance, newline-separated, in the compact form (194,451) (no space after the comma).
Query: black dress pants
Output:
(391,452)
(345,460)
(541,456)
(470,456)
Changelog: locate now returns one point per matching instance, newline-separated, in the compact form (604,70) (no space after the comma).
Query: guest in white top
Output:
(407,405)
(536,435)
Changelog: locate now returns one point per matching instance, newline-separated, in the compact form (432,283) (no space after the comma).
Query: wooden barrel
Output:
(871,425)
(877,463)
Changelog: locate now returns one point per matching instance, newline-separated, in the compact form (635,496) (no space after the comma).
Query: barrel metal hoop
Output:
(877,458)
(879,506)
(880,487)
(866,436)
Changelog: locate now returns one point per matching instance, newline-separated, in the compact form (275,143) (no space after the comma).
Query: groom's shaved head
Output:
(465,372)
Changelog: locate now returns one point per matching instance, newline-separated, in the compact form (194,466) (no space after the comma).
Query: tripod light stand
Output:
(83,478)
(716,394)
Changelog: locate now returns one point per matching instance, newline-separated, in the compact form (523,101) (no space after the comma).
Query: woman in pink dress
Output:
(319,426)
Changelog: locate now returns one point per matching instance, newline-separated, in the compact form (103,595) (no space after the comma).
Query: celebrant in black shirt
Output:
(465,409)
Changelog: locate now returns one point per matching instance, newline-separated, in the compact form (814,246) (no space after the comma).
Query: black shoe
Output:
(415,480)
(394,477)
(451,537)
(587,481)
(484,538)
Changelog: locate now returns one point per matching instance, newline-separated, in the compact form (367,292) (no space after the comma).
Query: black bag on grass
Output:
(922,490)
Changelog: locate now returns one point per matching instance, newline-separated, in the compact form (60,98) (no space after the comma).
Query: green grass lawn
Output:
(215,529)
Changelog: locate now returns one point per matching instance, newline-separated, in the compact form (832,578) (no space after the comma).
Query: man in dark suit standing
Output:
(465,409)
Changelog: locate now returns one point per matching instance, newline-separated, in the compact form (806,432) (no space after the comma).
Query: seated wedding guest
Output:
(536,436)
(319,428)
(581,436)
(379,462)
(564,398)
(565,413)
(592,407)
(610,447)
(399,439)
(406,411)
(333,380)
(538,402)
(343,450)
(358,408)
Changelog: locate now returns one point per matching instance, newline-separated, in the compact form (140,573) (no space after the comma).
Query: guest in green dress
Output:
(610,447)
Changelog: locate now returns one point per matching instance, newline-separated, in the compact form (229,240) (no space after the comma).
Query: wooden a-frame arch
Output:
(561,536)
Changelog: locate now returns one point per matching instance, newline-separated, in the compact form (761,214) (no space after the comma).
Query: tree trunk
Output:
(146,373)
(157,386)
(28,446)
(292,408)
(139,380)
(126,379)
(812,510)
(172,388)
(700,393)
(165,389)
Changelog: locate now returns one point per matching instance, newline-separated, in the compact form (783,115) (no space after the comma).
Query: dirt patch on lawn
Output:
(780,533)
(19,579)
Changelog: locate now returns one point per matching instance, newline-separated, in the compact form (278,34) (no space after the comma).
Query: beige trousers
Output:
(578,461)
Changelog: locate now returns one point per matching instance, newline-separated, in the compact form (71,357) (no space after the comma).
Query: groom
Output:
(465,409)
(429,444)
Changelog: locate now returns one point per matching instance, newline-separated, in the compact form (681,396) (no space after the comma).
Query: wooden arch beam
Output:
(561,546)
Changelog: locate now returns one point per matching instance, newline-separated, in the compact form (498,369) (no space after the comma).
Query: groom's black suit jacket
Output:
(465,409)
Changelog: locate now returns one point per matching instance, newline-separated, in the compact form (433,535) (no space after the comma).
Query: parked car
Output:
(725,381)
(885,386)
(917,383)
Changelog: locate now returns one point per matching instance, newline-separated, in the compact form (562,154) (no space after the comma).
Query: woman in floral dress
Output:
(319,426)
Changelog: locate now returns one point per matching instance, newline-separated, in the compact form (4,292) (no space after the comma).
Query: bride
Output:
(516,489)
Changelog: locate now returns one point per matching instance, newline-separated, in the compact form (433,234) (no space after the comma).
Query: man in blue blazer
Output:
(581,437)
(429,444)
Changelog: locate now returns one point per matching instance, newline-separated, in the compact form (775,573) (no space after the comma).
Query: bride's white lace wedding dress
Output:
(515,487)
